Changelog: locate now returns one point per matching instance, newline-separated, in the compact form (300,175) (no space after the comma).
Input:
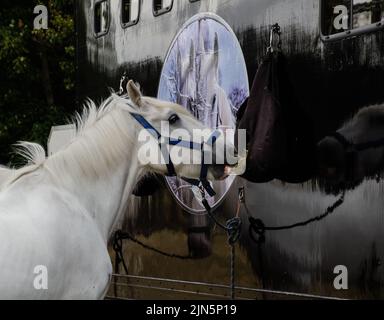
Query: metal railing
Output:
(201,289)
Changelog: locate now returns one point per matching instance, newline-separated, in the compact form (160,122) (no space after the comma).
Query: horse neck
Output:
(100,169)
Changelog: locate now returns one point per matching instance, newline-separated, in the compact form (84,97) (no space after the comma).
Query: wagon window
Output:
(366,12)
(162,6)
(130,12)
(348,17)
(101,18)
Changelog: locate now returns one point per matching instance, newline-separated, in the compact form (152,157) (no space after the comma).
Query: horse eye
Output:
(173,119)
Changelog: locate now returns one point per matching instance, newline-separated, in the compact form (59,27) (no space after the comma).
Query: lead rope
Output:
(117,246)
(258,227)
(119,257)
(120,235)
(233,230)
(236,226)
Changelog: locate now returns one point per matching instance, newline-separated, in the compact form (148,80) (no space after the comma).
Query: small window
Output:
(162,6)
(130,12)
(101,17)
(366,12)
(341,18)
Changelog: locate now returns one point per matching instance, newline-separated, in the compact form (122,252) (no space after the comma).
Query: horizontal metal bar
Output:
(374,27)
(175,290)
(116,298)
(274,292)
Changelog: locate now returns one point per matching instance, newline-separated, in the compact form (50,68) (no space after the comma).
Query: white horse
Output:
(59,212)
(210,93)
(197,83)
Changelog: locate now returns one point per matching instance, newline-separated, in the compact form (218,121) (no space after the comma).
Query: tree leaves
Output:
(25,113)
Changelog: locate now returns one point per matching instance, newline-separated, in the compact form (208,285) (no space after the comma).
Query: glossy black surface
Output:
(333,80)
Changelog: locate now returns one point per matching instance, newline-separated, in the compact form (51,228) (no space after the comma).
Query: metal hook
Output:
(275,30)
(123,83)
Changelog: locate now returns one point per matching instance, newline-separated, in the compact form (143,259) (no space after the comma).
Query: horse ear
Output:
(134,93)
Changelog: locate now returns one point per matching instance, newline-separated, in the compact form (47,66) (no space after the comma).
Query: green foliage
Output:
(33,98)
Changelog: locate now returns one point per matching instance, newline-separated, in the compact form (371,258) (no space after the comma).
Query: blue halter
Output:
(202,182)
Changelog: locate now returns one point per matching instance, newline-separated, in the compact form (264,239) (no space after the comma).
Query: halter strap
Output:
(202,182)
(146,125)
(369,145)
(342,140)
(156,134)
(352,147)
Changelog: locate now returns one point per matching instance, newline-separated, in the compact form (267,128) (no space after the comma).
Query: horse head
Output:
(355,151)
(169,134)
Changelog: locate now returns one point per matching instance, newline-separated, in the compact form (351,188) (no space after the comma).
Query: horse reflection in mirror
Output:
(198,86)
(342,164)
(59,212)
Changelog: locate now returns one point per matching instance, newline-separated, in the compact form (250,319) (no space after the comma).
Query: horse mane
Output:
(88,130)
(90,151)
(34,153)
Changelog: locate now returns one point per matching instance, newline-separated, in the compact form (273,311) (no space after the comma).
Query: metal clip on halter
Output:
(275,31)
(123,83)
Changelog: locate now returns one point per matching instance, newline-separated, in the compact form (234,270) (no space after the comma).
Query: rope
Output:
(119,257)
(120,235)
(233,279)
(232,227)
(118,238)
(257,225)
(233,230)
